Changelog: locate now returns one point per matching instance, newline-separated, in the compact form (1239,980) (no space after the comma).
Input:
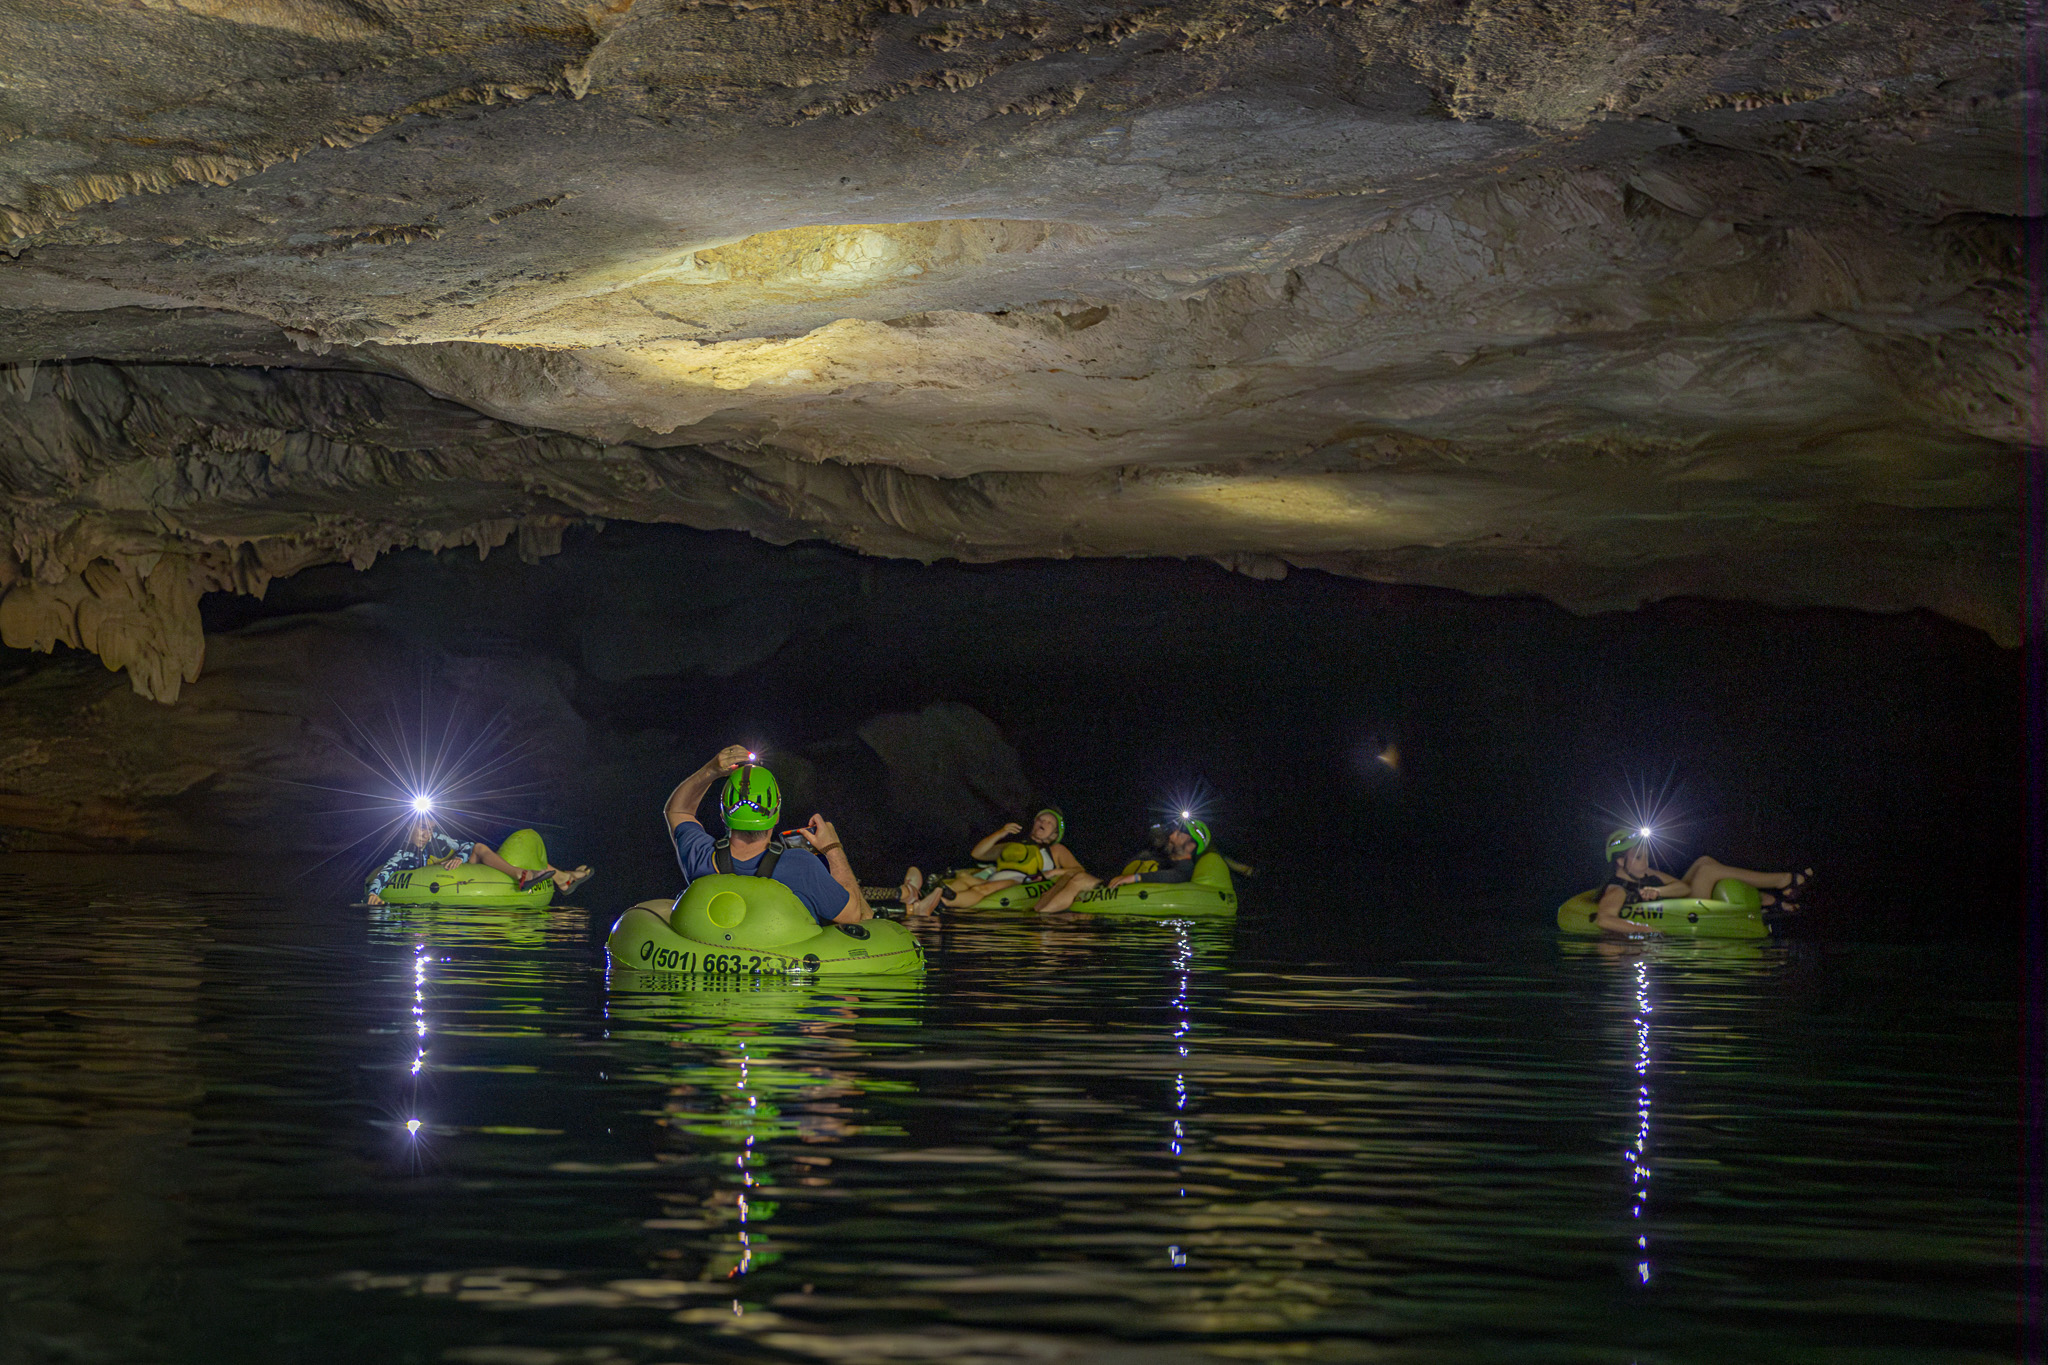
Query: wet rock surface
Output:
(290,747)
(1711,298)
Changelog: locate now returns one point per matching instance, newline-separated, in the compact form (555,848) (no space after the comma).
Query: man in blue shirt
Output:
(821,876)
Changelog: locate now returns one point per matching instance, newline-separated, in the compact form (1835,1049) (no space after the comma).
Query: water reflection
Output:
(419,1057)
(1089,1141)
(497,948)
(100,1019)
(749,1068)
(452,926)
(1638,1156)
(1183,1030)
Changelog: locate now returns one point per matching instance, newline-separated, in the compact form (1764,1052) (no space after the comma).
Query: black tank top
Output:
(1631,889)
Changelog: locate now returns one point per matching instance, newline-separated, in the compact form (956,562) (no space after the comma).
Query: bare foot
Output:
(912,888)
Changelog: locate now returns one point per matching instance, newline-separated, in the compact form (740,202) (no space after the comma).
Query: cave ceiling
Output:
(1601,301)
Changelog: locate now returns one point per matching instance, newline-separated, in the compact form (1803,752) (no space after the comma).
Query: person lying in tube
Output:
(1040,856)
(1157,836)
(425,843)
(1187,840)
(1632,881)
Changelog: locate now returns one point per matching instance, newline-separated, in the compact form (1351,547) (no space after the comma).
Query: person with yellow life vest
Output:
(1148,858)
(1039,856)
(1186,840)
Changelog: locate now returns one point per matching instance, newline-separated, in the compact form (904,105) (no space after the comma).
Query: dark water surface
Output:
(1072,1142)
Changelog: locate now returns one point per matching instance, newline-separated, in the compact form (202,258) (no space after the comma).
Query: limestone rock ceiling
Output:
(1596,301)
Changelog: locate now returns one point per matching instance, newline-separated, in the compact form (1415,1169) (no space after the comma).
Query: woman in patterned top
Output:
(426,844)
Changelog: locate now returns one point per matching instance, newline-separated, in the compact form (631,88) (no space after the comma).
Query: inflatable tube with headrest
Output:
(726,926)
(1740,916)
(473,884)
(1210,895)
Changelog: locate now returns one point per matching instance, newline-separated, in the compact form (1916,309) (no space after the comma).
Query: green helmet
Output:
(1059,821)
(1199,832)
(1622,840)
(751,800)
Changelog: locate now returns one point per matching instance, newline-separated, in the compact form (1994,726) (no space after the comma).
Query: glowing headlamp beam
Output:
(423,804)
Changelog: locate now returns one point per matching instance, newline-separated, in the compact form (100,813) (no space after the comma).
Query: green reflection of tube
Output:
(449,926)
(747,1066)
(523,986)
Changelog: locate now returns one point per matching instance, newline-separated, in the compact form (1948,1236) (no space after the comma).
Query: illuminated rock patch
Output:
(1708,299)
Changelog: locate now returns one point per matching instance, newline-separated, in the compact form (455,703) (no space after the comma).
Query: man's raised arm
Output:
(689,793)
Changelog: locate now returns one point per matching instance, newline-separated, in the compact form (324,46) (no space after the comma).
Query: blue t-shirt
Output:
(802,872)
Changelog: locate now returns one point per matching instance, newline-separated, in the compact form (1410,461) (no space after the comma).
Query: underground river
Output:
(244,1124)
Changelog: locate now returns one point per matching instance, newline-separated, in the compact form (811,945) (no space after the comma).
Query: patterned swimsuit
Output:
(438,849)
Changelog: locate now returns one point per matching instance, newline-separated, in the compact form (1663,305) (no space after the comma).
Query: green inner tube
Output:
(1210,895)
(1735,912)
(726,926)
(474,884)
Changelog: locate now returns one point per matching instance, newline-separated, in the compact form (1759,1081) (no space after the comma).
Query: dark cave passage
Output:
(1879,747)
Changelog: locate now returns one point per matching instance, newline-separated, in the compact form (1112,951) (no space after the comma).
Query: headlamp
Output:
(423,804)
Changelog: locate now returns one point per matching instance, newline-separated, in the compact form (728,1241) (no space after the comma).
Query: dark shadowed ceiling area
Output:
(1599,302)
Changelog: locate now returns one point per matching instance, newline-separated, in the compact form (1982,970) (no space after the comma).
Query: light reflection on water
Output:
(1638,1156)
(1072,1141)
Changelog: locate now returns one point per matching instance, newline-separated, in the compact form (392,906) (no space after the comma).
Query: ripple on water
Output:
(238,1124)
